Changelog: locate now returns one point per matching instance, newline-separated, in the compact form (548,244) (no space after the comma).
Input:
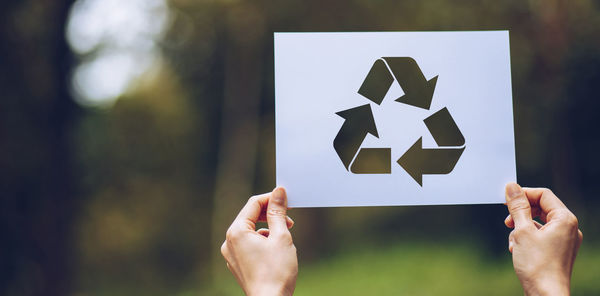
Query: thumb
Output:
(276,212)
(518,205)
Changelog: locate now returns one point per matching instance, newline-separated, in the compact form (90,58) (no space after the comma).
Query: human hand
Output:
(543,255)
(263,261)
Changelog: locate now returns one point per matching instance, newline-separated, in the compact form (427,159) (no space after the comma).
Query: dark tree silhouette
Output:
(37,199)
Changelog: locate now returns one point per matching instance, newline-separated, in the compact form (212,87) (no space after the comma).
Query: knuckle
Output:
(567,218)
(519,232)
(275,213)
(572,221)
(547,191)
(224,250)
(518,205)
(253,199)
(285,237)
(230,235)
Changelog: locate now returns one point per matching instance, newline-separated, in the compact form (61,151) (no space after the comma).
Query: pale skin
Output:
(543,255)
(264,261)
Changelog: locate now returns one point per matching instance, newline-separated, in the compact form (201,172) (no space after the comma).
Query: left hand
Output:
(264,262)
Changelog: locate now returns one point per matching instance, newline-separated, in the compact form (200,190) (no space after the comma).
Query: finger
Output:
(264,232)
(250,213)
(518,205)
(224,250)
(508,221)
(535,212)
(511,241)
(289,221)
(511,224)
(276,212)
(545,199)
(537,224)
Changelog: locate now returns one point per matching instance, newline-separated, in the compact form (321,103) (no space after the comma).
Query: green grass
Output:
(416,269)
(422,269)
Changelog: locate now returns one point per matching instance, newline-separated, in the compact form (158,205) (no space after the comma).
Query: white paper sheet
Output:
(320,74)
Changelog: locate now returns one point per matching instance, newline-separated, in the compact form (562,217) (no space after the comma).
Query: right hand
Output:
(543,255)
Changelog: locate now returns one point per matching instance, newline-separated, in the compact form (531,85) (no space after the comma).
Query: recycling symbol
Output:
(418,92)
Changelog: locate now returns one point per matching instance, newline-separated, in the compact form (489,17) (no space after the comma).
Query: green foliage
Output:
(421,268)
(134,199)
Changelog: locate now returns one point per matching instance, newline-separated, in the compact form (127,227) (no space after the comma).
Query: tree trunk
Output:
(240,122)
(36,162)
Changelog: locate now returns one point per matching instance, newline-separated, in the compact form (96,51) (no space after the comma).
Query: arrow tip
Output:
(411,159)
(421,98)
(431,83)
(363,115)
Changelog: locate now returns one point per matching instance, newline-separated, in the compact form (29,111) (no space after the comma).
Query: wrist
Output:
(269,290)
(548,287)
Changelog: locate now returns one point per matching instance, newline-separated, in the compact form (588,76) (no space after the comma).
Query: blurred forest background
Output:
(131,132)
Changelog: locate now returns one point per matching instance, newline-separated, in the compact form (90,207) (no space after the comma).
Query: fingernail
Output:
(513,190)
(277,196)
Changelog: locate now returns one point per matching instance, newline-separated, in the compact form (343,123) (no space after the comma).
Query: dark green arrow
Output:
(444,130)
(372,161)
(417,161)
(359,122)
(418,91)
(377,83)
